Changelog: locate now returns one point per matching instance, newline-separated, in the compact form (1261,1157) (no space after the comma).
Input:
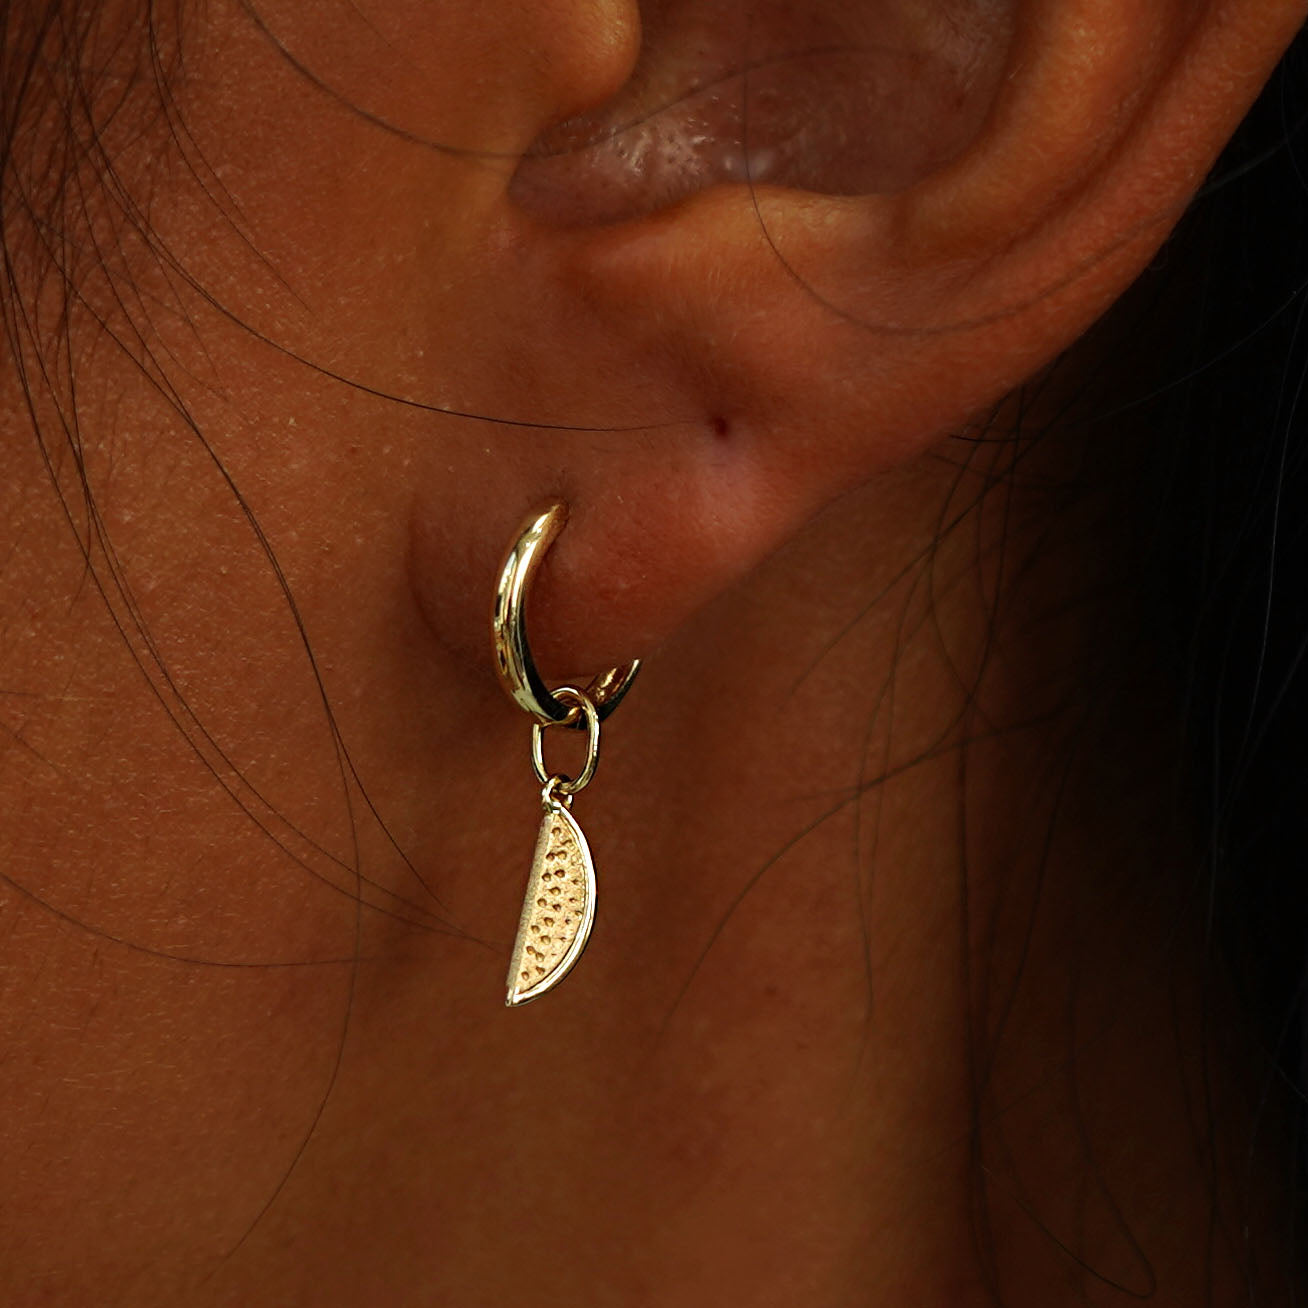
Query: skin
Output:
(893,959)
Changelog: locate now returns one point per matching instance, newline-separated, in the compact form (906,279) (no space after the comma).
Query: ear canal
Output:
(829,97)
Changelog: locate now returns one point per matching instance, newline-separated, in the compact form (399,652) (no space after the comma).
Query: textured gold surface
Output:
(558,910)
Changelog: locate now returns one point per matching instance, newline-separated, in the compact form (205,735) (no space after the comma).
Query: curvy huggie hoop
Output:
(513,660)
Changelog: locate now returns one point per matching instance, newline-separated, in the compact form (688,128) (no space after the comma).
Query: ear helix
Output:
(830,98)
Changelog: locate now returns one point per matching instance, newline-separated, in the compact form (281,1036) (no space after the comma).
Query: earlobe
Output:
(924,305)
(804,341)
(1112,117)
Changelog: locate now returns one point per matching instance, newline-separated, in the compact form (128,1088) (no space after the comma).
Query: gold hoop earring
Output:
(559,907)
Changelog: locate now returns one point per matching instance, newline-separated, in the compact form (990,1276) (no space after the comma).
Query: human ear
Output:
(799,342)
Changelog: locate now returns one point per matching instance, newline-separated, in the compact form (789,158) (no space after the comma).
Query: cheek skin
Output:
(179,917)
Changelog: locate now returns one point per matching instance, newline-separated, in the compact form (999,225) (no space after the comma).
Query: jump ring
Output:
(513,660)
(589,711)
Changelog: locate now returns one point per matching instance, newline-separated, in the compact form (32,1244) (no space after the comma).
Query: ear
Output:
(795,342)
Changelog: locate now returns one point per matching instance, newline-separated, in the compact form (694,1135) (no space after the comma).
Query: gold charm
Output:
(559,908)
(560,905)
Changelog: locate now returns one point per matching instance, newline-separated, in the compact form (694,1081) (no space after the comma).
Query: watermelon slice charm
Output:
(559,907)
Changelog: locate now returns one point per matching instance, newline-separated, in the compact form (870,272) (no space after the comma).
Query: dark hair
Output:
(1226,543)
